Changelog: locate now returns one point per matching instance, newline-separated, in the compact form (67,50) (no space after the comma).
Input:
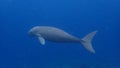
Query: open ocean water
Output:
(77,17)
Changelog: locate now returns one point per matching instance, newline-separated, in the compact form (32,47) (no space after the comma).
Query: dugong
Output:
(58,35)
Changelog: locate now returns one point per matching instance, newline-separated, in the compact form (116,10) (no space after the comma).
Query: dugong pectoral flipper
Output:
(42,40)
(87,41)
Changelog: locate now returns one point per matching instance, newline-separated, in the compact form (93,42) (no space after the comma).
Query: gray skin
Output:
(57,35)
(53,34)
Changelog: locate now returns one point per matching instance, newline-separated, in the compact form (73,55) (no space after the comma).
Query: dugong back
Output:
(55,34)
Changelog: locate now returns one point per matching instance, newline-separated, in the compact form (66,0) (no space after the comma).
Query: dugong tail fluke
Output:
(87,41)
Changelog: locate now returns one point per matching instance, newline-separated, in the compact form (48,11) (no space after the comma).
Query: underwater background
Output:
(77,17)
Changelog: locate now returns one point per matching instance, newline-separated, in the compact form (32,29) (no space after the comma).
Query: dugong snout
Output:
(33,31)
(30,33)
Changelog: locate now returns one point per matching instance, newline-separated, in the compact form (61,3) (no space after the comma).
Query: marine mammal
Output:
(58,35)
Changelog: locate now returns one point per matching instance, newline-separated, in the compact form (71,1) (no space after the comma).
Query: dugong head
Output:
(33,31)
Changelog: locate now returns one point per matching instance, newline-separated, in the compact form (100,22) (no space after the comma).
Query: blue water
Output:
(77,17)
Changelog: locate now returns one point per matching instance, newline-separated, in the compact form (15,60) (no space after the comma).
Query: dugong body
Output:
(57,35)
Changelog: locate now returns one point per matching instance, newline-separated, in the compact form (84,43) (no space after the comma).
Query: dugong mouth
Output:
(30,33)
(33,31)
